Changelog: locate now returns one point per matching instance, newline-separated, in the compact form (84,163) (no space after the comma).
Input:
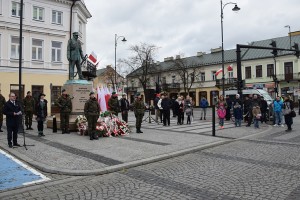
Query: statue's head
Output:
(75,35)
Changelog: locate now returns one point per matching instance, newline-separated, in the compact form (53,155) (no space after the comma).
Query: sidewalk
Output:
(72,154)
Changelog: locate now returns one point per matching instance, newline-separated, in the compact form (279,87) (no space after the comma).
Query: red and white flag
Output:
(218,72)
(230,68)
(93,57)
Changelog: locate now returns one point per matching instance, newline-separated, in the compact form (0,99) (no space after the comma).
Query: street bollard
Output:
(54,124)
(213,108)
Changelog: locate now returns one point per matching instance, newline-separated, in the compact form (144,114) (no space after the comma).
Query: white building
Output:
(47,27)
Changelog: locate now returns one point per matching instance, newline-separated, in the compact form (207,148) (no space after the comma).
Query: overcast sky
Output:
(184,26)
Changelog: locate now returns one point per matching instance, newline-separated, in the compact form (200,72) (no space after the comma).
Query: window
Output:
(258,71)
(288,71)
(270,70)
(38,13)
(202,76)
(213,75)
(37,49)
(57,17)
(15,89)
(248,72)
(36,90)
(14,48)
(16,9)
(173,79)
(55,93)
(56,51)
(230,74)
(192,77)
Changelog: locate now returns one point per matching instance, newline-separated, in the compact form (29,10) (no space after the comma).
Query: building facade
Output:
(258,71)
(46,31)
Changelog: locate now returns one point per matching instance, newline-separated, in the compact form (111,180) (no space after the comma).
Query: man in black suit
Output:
(12,110)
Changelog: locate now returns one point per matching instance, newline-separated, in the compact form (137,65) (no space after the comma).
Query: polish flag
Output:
(218,72)
(230,68)
(93,57)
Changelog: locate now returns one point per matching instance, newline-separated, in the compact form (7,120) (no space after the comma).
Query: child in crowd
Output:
(188,112)
(256,115)
(238,114)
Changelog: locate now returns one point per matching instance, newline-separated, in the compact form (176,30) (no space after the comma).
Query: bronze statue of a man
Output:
(74,55)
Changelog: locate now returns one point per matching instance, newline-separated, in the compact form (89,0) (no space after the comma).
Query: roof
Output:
(229,55)
(99,72)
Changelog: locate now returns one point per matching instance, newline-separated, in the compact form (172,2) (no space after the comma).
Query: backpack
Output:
(221,113)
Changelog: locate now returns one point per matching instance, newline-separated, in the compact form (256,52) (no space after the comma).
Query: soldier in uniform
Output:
(65,104)
(74,53)
(29,105)
(139,111)
(92,111)
(2,102)
(113,104)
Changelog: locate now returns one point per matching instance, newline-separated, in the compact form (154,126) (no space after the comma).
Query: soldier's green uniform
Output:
(2,102)
(139,111)
(92,112)
(113,104)
(65,104)
(29,105)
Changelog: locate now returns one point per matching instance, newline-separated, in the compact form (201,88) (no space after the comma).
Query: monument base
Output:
(79,91)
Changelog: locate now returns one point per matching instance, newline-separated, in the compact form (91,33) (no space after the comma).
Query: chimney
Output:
(215,50)
(177,57)
(200,53)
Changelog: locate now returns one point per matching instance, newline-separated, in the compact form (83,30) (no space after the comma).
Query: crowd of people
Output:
(253,110)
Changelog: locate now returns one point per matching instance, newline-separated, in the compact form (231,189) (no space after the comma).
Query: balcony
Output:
(171,86)
(89,70)
(228,82)
(289,77)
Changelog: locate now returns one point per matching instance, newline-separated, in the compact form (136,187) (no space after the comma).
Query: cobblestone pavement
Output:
(265,166)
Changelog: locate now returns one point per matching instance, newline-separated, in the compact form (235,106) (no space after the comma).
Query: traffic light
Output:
(296,47)
(273,44)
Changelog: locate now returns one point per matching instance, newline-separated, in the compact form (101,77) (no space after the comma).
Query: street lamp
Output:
(235,8)
(116,42)
(288,26)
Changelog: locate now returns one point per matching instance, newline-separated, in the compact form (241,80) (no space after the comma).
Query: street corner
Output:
(14,173)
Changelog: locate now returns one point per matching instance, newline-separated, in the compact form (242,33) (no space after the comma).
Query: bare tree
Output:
(186,71)
(141,62)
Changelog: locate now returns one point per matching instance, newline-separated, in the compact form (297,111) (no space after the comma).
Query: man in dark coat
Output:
(166,104)
(2,103)
(64,102)
(124,108)
(29,105)
(263,109)
(92,111)
(229,107)
(12,110)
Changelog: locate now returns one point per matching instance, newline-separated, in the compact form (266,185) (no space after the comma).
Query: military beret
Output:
(63,90)
(113,93)
(28,92)
(137,94)
(92,93)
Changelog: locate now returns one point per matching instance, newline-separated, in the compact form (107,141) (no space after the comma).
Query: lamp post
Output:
(235,8)
(116,42)
(288,26)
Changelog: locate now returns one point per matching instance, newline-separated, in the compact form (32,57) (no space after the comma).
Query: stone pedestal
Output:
(79,91)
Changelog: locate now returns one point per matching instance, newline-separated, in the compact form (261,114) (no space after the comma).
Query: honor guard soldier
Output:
(92,112)
(139,111)
(2,102)
(29,105)
(113,104)
(65,104)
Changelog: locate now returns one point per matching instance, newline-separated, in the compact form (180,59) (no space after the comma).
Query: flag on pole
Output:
(230,68)
(93,57)
(218,72)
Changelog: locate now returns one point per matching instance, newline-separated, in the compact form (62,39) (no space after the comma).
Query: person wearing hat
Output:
(2,103)
(92,112)
(74,53)
(139,111)
(29,104)
(113,104)
(41,113)
(12,110)
(65,104)
(124,108)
